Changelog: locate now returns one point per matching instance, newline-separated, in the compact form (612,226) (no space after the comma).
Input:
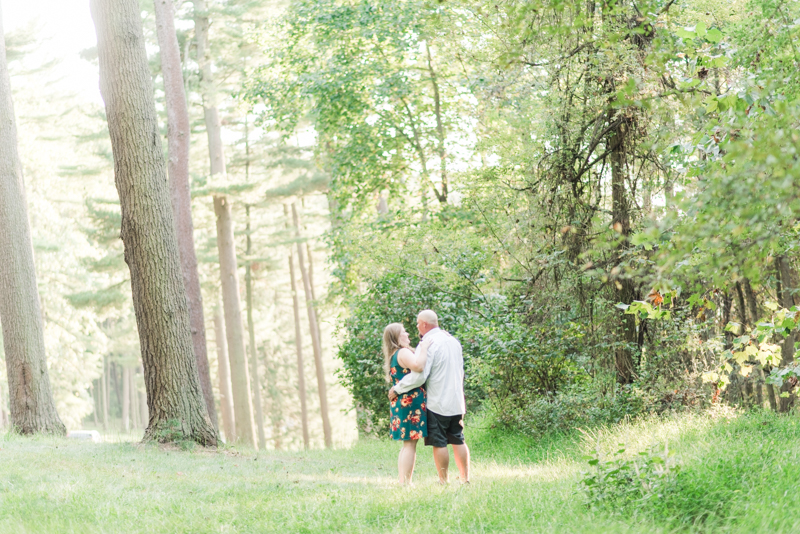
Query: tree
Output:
(298,340)
(313,327)
(175,400)
(30,396)
(178,166)
(224,376)
(234,329)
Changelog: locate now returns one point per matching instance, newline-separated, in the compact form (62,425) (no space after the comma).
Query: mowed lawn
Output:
(739,473)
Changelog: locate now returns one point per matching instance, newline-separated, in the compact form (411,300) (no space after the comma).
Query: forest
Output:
(211,209)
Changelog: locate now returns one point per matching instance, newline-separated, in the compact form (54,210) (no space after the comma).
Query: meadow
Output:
(738,473)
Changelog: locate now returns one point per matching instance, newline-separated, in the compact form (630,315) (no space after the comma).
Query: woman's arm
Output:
(406,358)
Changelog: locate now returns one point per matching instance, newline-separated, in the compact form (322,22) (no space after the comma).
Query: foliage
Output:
(623,483)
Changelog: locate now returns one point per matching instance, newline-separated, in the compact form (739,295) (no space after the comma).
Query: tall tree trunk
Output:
(255,382)
(276,409)
(178,166)
(33,408)
(126,399)
(175,399)
(223,373)
(298,340)
(234,329)
(625,291)
(314,329)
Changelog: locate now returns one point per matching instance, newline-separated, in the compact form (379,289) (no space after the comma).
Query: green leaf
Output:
(700,29)
(685,33)
(771,306)
(714,35)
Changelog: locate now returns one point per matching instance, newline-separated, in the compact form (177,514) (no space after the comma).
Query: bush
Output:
(624,485)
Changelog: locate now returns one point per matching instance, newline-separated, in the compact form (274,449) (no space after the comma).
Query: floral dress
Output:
(409,419)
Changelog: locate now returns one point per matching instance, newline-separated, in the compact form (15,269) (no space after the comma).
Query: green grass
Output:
(738,474)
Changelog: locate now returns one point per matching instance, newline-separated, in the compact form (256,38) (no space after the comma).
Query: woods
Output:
(597,198)
(212,212)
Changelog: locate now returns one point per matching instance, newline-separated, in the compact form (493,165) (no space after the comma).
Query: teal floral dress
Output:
(409,419)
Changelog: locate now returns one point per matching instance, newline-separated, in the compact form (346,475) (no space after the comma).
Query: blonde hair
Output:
(391,344)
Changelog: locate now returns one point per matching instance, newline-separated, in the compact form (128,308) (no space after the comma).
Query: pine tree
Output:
(176,405)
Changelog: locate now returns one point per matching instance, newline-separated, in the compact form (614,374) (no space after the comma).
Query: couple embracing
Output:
(427,396)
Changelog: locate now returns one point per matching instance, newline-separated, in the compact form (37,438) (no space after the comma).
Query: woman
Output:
(408,416)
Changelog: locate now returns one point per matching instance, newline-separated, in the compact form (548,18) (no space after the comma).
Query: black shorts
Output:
(444,430)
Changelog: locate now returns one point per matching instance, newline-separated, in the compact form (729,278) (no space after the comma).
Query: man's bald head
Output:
(427,320)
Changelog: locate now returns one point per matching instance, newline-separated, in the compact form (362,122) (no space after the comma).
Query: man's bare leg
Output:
(406,461)
(461,454)
(441,457)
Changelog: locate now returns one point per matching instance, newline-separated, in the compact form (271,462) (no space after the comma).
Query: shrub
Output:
(622,484)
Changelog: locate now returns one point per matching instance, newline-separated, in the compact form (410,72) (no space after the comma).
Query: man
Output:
(443,377)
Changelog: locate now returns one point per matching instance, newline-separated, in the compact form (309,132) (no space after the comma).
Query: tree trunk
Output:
(625,291)
(133,399)
(788,281)
(178,165)
(234,329)
(298,340)
(752,304)
(440,136)
(314,329)
(126,399)
(208,89)
(3,409)
(255,382)
(32,406)
(94,401)
(115,378)
(276,410)
(311,282)
(223,373)
(104,393)
(175,399)
(752,309)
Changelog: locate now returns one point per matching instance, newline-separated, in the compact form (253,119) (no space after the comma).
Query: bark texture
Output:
(178,166)
(234,329)
(224,374)
(30,396)
(176,405)
(314,329)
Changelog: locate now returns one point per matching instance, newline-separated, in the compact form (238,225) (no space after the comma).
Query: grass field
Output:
(738,473)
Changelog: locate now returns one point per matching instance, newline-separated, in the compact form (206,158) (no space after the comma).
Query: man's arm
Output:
(414,379)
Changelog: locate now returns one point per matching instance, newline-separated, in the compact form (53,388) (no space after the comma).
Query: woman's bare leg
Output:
(406,461)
